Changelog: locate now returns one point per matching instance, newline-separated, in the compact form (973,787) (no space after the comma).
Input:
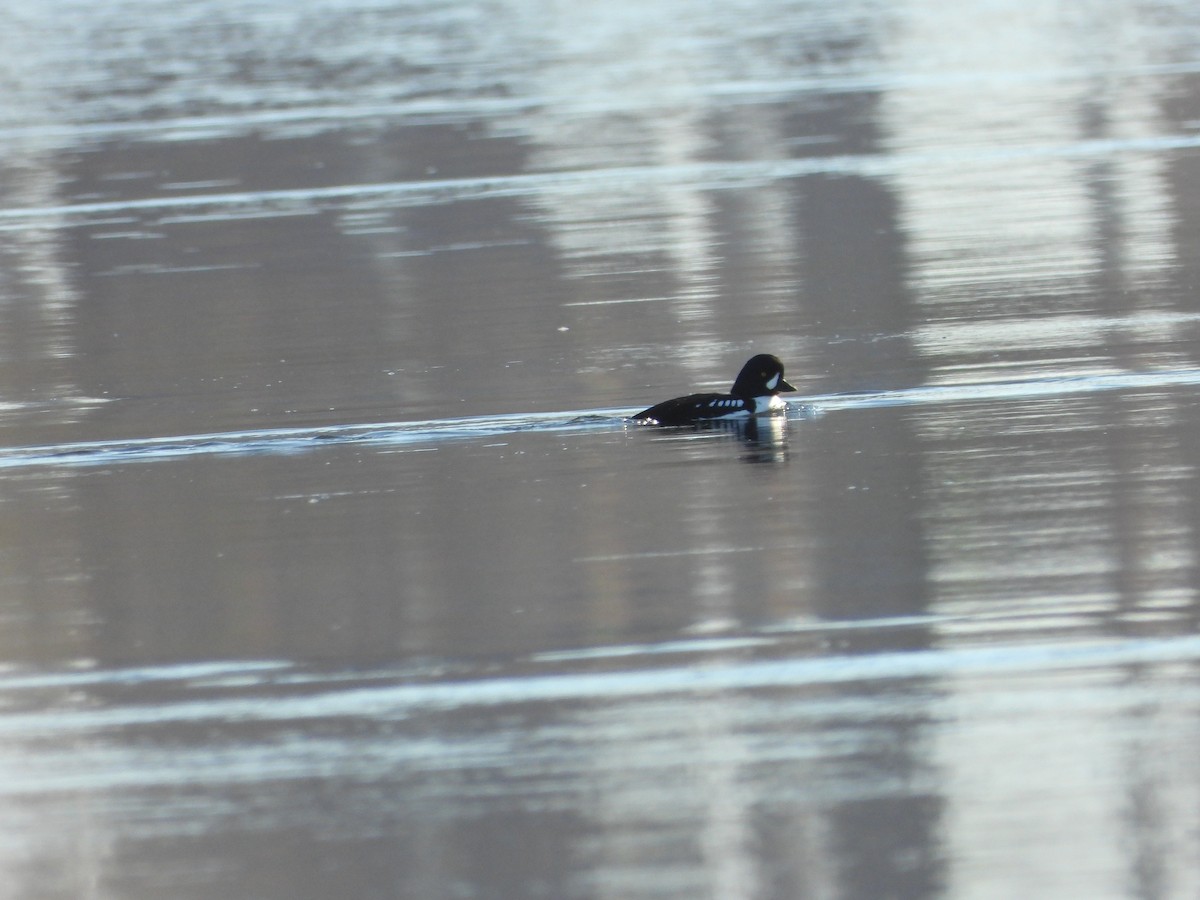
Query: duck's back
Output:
(696,408)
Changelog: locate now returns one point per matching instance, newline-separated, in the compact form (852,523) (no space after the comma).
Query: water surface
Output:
(330,566)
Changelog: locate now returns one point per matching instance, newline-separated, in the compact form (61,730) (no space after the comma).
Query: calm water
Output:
(329,567)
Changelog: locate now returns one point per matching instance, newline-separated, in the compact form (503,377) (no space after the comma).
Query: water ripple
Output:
(384,695)
(436,431)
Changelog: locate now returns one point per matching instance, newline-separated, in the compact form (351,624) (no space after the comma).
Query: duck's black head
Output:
(762,375)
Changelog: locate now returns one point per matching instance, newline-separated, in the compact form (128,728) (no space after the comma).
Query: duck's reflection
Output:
(764,438)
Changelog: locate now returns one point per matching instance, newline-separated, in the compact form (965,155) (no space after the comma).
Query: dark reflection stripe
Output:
(289,201)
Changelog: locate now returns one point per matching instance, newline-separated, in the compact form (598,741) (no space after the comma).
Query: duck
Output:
(755,391)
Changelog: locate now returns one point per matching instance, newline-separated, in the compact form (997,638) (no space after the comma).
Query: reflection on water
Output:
(330,567)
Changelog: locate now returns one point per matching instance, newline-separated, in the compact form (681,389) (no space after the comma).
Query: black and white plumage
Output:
(755,391)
